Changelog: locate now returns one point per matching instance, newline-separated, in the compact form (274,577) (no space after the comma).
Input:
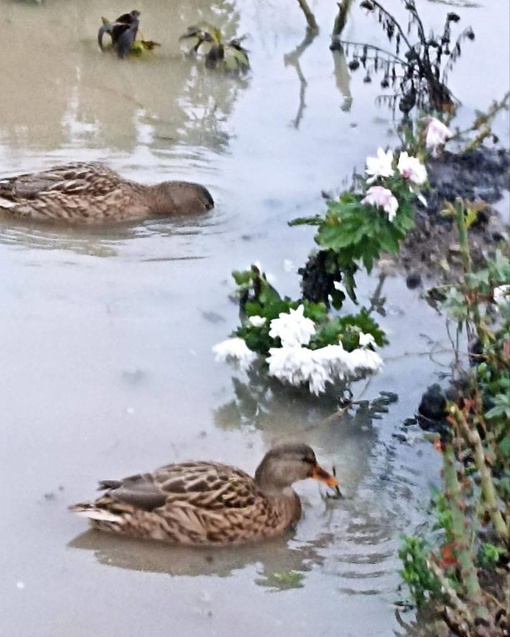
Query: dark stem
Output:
(397,25)
(374,48)
(310,18)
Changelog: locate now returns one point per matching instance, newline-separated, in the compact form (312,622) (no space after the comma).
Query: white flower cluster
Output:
(381,167)
(302,366)
(409,168)
(296,364)
(293,328)
(235,350)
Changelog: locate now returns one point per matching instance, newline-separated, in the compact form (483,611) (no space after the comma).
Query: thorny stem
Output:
(460,220)
(453,493)
(482,123)
(463,237)
(488,490)
(449,591)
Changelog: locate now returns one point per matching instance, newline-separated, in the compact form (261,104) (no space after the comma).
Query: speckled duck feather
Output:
(88,193)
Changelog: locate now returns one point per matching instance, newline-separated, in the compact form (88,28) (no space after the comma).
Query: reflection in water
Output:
(342,77)
(360,529)
(177,236)
(208,99)
(209,95)
(292,59)
(263,400)
(278,565)
(101,102)
(378,487)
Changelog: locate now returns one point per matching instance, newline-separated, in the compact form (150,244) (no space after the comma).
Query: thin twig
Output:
(374,48)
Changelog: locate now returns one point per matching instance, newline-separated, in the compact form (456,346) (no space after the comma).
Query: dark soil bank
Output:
(431,249)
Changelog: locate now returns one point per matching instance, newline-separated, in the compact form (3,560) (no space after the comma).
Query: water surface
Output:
(107,333)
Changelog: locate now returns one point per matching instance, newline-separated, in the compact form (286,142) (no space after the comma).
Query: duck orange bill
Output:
(318,473)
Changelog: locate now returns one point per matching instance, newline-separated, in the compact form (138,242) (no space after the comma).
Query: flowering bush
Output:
(301,342)
(371,219)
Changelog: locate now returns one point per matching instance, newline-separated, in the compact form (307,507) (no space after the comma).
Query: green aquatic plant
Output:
(123,33)
(231,56)
(298,342)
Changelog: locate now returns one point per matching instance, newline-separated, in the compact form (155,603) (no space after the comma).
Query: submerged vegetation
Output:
(230,56)
(124,35)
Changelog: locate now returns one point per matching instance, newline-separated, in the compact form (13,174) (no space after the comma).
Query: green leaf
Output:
(306,221)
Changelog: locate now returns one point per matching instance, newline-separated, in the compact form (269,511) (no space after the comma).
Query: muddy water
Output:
(106,334)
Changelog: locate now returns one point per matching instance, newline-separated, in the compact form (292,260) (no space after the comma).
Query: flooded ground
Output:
(107,333)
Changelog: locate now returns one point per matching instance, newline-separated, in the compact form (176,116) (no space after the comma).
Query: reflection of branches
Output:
(292,59)
(310,18)
(341,19)
(339,44)
(342,77)
(423,82)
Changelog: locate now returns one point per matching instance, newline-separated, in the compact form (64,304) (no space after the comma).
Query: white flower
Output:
(292,328)
(382,198)
(436,133)
(411,168)
(235,350)
(364,361)
(335,360)
(297,366)
(501,295)
(257,321)
(380,166)
(365,340)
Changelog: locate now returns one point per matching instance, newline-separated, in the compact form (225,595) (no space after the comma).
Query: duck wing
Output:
(70,179)
(205,485)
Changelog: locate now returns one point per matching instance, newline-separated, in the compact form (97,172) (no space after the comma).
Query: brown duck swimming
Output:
(85,193)
(208,503)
